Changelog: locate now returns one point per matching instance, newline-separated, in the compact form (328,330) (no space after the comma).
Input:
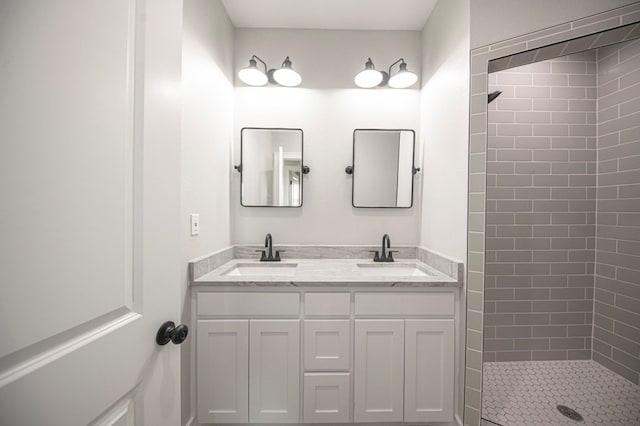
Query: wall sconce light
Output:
(371,77)
(283,76)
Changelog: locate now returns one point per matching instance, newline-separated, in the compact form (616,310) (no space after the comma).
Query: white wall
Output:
(496,20)
(207,91)
(328,107)
(444,124)
(207,115)
(444,119)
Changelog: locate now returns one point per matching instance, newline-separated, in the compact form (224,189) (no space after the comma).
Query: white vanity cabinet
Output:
(324,356)
(248,369)
(404,368)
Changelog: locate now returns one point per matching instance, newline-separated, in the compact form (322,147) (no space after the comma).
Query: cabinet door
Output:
(379,370)
(326,345)
(222,371)
(274,367)
(428,392)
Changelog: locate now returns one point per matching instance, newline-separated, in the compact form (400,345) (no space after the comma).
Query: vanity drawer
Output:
(404,304)
(243,304)
(327,397)
(326,345)
(327,304)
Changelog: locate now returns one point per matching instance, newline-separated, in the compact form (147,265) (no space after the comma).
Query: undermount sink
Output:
(262,269)
(393,270)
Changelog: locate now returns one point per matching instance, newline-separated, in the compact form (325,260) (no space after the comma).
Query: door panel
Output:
(89,178)
(66,167)
(429,356)
(379,368)
(274,371)
(123,413)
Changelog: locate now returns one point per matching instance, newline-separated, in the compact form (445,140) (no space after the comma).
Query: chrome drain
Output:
(570,413)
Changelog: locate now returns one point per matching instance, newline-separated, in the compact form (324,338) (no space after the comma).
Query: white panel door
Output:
(379,370)
(274,371)
(326,397)
(223,371)
(428,392)
(89,217)
(326,345)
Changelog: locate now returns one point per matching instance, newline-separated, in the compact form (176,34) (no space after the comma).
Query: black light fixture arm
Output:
(369,65)
(399,61)
(286,63)
(387,74)
(264,64)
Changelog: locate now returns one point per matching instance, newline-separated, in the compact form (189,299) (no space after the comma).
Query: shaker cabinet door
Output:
(429,377)
(274,366)
(223,371)
(379,370)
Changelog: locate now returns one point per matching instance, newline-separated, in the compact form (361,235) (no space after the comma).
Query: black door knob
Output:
(169,332)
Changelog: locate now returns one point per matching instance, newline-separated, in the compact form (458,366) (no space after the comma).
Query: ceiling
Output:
(330,14)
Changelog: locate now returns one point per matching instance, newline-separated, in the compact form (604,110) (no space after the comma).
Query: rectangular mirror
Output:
(271,167)
(383,168)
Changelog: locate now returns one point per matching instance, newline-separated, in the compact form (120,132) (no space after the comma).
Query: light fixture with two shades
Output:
(370,77)
(283,76)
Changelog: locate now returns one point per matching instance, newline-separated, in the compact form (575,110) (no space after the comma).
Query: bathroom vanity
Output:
(318,340)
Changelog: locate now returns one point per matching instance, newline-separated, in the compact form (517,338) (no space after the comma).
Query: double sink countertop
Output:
(326,272)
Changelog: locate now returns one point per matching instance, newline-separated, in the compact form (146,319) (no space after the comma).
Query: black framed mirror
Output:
(271,167)
(382,168)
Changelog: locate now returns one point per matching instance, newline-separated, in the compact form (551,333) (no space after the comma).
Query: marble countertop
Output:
(326,272)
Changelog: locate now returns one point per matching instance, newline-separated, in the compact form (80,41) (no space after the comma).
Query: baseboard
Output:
(456,422)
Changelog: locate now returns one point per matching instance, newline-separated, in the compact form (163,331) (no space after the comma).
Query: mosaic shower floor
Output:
(527,393)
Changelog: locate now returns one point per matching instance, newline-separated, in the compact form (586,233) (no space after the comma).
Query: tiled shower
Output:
(562,263)
(541,201)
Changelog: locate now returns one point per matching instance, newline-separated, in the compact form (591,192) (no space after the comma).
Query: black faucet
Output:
(386,256)
(267,256)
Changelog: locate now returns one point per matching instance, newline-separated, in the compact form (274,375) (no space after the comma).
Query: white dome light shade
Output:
(287,76)
(369,77)
(403,78)
(252,76)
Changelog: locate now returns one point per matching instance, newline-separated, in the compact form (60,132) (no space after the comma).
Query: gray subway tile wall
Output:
(492,58)
(541,204)
(616,332)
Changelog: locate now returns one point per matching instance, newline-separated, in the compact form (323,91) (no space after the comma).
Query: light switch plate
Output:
(195,224)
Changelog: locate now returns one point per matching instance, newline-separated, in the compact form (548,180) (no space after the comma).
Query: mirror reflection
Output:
(271,167)
(383,168)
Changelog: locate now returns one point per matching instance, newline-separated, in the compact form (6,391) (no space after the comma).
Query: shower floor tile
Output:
(527,393)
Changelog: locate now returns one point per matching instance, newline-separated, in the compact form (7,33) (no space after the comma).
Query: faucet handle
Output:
(390,255)
(376,257)
(277,256)
(263,255)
